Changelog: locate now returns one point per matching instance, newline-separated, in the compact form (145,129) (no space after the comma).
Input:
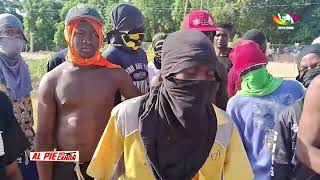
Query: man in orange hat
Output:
(203,21)
(75,98)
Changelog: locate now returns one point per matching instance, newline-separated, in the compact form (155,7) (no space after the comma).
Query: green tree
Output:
(104,7)
(11,6)
(157,15)
(40,18)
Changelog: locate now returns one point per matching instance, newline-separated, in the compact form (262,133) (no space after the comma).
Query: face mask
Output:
(11,46)
(308,76)
(132,41)
(197,94)
(157,62)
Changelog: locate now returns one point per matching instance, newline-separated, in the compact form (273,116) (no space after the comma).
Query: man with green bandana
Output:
(256,106)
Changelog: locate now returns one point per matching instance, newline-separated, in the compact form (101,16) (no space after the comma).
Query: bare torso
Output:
(84,99)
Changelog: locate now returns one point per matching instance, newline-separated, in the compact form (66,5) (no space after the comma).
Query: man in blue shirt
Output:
(256,106)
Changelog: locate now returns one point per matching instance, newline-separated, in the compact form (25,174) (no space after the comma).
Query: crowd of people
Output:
(200,110)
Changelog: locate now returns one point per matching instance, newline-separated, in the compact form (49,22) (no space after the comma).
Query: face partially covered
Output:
(309,68)
(11,32)
(11,41)
(197,73)
(221,38)
(86,40)
(208,81)
(309,61)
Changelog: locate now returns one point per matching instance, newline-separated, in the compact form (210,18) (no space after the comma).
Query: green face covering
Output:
(259,83)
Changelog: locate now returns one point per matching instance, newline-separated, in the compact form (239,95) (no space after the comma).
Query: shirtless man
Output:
(75,98)
(308,142)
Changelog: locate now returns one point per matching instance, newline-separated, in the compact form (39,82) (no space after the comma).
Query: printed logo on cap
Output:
(203,20)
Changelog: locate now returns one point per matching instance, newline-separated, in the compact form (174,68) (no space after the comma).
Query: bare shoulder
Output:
(51,78)
(313,90)
(315,84)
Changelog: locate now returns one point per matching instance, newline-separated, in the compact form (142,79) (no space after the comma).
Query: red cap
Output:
(200,20)
(246,54)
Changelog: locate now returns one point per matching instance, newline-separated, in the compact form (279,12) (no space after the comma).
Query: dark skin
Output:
(222,99)
(13,171)
(11,32)
(75,102)
(308,143)
(220,42)
(86,40)
(309,61)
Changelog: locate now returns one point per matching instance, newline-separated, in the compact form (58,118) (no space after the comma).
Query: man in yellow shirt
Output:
(171,133)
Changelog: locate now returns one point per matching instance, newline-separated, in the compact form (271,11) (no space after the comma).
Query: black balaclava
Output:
(125,19)
(177,122)
(157,44)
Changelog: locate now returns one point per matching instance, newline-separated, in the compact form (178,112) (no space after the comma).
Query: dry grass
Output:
(285,70)
(36,55)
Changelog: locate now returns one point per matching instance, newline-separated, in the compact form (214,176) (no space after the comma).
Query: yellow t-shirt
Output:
(121,154)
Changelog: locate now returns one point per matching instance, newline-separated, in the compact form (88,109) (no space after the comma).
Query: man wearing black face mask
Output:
(154,67)
(286,165)
(171,133)
(125,39)
(309,64)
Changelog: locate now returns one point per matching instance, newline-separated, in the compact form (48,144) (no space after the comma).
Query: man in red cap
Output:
(76,98)
(256,106)
(203,21)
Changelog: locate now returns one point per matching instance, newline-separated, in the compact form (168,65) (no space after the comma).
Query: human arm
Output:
(126,86)
(46,121)
(308,142)
(13,171)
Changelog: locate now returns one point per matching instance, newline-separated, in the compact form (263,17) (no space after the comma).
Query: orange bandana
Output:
(74,57)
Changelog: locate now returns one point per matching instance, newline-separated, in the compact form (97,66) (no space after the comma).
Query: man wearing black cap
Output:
(75,98)
(125,39)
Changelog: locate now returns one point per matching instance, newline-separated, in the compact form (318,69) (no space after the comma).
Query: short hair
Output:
(257,36)
(225,25)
